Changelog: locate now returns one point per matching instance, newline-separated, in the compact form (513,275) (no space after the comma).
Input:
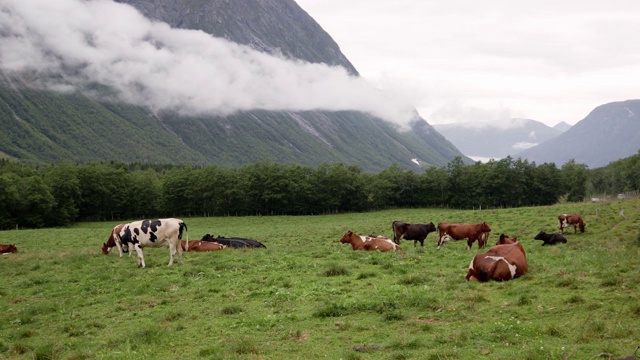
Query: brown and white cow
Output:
(9,248)
(471,232)
(571,219)
(415,232)
(200,246)
(111,242)
(499,263)
(370,243)
(505,239)
(153,233)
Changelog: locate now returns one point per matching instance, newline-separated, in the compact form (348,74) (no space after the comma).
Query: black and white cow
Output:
(153,233)
(550,239)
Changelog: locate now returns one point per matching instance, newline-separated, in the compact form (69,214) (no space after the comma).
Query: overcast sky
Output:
(491,60)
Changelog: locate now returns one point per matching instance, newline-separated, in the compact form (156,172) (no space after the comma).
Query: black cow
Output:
(415,232)
(550,239)
(233,242)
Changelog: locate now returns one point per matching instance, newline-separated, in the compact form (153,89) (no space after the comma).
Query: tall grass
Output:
(306,296)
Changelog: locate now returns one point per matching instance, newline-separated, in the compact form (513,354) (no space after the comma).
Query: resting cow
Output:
(415,232)
(370,243)
(505,239)
(550,239)
(233,242)
(471,232)
(571,219)
(200,246)
(500,263)
(153,233)
(10,248)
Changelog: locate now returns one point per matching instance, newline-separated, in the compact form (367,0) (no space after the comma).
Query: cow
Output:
(369,243)
(550,239)
(200,246)
(499,263)
(415,232)
(505,239)
(471,232)
(6,249)
(233,242)
(153,233)
(571,219)
(111,242)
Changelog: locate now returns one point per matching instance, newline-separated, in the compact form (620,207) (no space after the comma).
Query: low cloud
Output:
(523,145)
(75,45)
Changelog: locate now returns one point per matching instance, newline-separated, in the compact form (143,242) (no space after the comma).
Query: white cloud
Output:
(151,64)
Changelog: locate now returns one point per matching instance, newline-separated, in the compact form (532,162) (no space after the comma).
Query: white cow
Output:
(153,233)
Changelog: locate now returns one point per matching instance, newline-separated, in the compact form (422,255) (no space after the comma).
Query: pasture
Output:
(308,297)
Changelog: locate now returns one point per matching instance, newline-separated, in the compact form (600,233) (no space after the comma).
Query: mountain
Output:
(562,126)
(610,132)
(43,126)
(484,140)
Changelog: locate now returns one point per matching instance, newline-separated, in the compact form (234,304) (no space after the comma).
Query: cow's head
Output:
(12,248)
(541,235)
(431,227)
(105,248)
(346,238)
(484,227)
(581,227)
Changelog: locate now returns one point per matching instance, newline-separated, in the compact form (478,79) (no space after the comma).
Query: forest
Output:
(63,194)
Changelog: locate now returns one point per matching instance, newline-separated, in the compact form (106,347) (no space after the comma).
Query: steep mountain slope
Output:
(43,126)
(496,141)
(609,133)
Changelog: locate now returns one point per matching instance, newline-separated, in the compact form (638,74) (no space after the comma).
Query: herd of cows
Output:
(505,261)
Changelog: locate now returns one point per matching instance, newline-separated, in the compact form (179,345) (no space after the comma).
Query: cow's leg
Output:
(179,248)
(469,243)
(172,251)
(140,254)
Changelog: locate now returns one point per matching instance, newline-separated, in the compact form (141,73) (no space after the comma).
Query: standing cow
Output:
(571,219)
(415,232)
(471,232)
(153,233)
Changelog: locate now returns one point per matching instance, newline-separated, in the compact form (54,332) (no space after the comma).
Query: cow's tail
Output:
(183,226)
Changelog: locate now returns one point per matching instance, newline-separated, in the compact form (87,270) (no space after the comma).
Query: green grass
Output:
(308,297)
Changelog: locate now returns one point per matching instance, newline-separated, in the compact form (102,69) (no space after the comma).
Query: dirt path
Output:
(624,218)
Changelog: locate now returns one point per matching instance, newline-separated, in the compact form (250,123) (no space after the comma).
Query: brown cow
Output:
(471,232)
(571,219)
(415,232)
(505,240)
(106,247)
(5,249)
(499,263)
(202,246)
(371,242)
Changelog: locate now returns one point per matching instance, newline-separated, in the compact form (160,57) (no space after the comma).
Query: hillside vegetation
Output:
(305,296)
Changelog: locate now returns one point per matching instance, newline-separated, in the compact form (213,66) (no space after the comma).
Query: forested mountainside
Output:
(610,132)
(42,127)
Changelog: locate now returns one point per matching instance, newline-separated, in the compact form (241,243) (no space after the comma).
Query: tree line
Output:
(62,194)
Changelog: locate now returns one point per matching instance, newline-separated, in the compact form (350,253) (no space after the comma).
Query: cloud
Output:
(75,44)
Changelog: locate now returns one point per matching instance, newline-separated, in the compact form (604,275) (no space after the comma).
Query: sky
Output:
(452,61)
(491,60)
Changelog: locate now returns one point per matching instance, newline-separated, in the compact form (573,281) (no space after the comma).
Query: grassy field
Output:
(308,297)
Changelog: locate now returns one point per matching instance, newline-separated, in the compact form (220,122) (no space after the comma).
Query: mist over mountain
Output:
(489,140)
(214,82)
(610,132)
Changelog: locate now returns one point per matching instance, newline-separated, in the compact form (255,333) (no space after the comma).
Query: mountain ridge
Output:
(41,127)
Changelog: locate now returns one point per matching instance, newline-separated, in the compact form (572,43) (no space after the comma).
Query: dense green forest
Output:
(61,194)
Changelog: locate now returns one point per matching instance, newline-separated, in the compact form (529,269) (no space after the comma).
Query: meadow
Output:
(308,297)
